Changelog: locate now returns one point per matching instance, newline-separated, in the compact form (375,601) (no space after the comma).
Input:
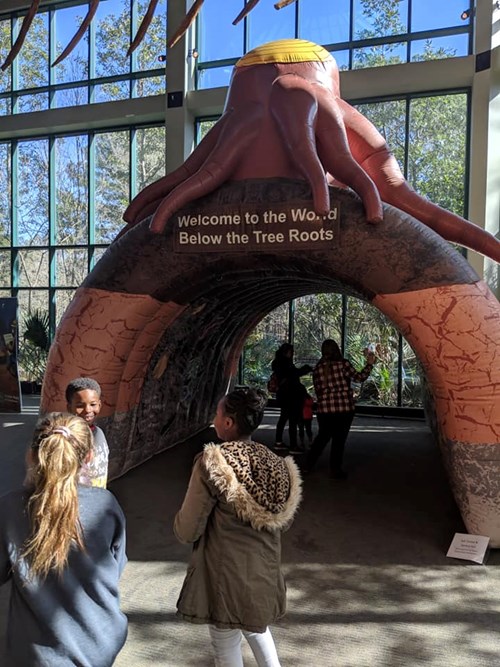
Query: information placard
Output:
(469,547)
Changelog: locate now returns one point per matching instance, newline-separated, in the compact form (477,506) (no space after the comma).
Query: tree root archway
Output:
(162,331)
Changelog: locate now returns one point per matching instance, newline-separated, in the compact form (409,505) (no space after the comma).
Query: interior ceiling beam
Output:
(391,80)
(121,113)
(9,6)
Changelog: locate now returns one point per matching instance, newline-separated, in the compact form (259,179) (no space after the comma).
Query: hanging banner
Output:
(10,393)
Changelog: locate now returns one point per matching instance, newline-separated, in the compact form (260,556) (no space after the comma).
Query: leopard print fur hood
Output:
(264,488)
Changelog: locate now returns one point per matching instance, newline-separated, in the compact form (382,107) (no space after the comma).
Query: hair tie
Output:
(62,430)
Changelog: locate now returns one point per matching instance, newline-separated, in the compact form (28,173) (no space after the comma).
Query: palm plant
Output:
(35,345)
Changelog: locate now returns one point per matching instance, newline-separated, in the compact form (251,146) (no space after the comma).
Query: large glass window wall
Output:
(61,203)
(358,33)
(98,70)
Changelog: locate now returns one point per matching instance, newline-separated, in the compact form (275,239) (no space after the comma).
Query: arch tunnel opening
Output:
(162,329)
(395,386)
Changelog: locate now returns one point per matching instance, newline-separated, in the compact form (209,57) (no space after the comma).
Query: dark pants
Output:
(332,426)
(305,425)
(290,411)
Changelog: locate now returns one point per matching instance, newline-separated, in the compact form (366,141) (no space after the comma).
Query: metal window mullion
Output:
(81,83)
(133,56)
(52,235)
(408,30)
(132,181)
(52,191)
(400,372)
(52,56)
(91,200)
(14,263)
(407,136)
(91,57)
(343,324)
(291,321)
(199,45)
(14,68)
(351,36)
(241,367)
(246,36)
(472,26)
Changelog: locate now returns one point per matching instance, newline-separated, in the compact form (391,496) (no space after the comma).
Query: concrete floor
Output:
(369,583)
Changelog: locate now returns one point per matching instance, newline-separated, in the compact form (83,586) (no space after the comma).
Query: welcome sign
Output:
(291,226)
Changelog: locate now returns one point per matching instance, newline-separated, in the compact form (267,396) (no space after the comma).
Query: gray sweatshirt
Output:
(74,619)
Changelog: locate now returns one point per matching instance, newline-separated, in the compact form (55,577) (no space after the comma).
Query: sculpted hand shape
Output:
(284,117)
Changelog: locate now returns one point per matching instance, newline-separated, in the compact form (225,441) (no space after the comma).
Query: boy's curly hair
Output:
(81,384)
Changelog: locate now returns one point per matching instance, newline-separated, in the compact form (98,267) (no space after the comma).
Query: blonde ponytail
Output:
(61,444)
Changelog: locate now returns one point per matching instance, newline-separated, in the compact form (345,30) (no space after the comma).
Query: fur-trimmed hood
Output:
(264,488)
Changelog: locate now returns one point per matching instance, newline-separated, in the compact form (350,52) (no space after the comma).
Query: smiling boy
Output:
(83,398)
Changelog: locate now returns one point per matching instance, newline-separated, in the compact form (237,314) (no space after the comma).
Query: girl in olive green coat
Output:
(240,497)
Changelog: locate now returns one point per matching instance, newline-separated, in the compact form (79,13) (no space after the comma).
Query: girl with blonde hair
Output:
(63,547)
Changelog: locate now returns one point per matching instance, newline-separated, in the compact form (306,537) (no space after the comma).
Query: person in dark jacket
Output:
(290,394)
(240,497)
(62,545)
(332,377)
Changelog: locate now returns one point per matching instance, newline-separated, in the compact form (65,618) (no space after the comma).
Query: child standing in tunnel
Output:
(290,394)
(240,497)
(305,424)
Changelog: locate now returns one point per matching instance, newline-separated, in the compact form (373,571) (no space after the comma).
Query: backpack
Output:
(273,384)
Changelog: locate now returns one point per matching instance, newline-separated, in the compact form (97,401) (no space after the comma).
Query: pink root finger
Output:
(156,191)
(294,108)
(335,154)
(450,226)
(79,33)
(148,210)
(25,26)
(219,166)
(283,3)
(395,190)
(245,11)
(143,28)
(205,181)
(186,22)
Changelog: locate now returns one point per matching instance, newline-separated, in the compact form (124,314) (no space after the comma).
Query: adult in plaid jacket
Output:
(335,404)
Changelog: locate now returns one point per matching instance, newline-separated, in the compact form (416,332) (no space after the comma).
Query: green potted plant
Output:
(34,350)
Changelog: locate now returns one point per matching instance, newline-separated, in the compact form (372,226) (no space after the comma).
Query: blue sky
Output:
(426,14)
(322,21)
(319,21)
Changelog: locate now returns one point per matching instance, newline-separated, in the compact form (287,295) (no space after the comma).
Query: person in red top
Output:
(335,404)
(305,424)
